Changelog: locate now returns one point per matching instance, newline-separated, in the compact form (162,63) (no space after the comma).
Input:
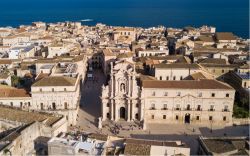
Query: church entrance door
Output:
(122,113)
(187,118)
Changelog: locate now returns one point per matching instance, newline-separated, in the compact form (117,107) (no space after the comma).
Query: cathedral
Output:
(120,98)
(202,101)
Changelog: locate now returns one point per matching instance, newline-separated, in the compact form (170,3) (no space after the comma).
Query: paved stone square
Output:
(90,111)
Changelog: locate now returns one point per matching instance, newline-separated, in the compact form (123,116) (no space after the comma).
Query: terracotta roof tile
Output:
(56,81)
(5,61)
(7,91)
(177,65)
(213,61)
(225,36)
(205,38)
(15,114)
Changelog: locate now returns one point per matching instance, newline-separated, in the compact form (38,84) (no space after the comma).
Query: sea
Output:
(225,15)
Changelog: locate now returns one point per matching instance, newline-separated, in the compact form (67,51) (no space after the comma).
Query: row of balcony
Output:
(188,109)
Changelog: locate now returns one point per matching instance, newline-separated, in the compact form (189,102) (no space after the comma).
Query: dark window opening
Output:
(164,116)
(177,117)
(41,105)
(65,105)
(53,105)
(108,116)
(136,116)
(224,118)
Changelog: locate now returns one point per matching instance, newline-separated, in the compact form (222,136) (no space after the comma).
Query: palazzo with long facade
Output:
(128,97)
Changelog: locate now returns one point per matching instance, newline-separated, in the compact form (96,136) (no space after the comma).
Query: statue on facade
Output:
(100,122)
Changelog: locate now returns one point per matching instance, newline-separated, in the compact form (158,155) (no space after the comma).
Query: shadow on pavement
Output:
(227,131)
(91,92)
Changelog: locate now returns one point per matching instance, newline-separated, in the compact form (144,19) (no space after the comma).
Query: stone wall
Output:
(241,121)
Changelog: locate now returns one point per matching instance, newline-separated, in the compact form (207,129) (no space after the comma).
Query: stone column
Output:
(100,123)
(144,127)
(104,113)
(116,113)
(142,109)
(112,79)
(133,82)
(112,84)
(131,110)
(128,111)
(112,110)
(129,86)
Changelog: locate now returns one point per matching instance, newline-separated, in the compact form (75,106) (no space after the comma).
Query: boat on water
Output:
(86,20)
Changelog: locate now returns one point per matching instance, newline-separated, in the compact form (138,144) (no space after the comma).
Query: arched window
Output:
(188,107)
(160,77)
(174,78)
(167,78)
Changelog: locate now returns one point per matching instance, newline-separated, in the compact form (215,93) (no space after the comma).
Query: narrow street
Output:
(90,104)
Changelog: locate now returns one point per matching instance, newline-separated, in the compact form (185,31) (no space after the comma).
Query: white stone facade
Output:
(174,73)
(166,105)
(197,101)
(55,97)
(161,52)
(120,96)
(58,99)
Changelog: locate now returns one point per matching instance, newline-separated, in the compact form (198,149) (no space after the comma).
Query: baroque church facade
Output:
(120,98)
